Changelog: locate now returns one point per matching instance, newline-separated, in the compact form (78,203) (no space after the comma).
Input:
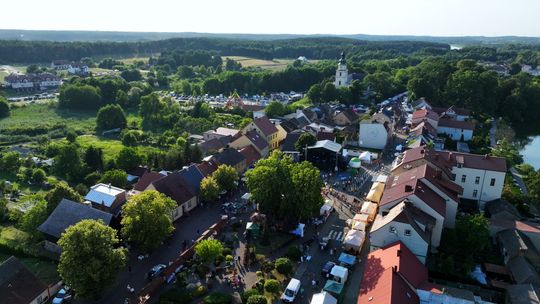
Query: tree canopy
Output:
(306,139)
(208,250)
(128,158)
(4,107)
(60,191)
(111,117)
(225,176)
(209,189)
(115,177)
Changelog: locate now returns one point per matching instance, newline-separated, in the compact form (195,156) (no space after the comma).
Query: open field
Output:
(110,147)
(45,115)
(132,59)
(246,62)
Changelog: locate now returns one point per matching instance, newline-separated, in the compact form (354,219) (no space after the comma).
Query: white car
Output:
(289,295)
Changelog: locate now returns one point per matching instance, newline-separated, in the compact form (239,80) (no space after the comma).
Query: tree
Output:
(208,250)
(129,158)
(67,162)
(147,219)
(60,191)
(306,139)
(91,258)
(71,135)
(209,189)
(35,216)
(131,75)
(329,92)
(275,108)
(115,177)
(130,138)
(232,65)
(284,266)
(134,96)
(38,176)
(10,162)
(74,96)
(4,107)
(111,117)
(225,176)
(257,299)
(93,158)
(315,93)
(272,286)
(3,203)
(121,98)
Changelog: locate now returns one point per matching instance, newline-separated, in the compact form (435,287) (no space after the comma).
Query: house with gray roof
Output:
(18,285)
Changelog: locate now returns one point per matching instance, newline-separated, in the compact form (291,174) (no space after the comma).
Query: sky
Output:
(376,17)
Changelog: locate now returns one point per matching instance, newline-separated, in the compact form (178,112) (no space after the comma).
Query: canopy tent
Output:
(370,209)
(354,239)
(253,228)
(376,192)
(299,231)
(323,298)
(360,217)
(326,208)
(333,287)
(359,226)
(380,178)
(327,144)
(365,156)
(347,259)
(246,196)
(355,162)
(339,274)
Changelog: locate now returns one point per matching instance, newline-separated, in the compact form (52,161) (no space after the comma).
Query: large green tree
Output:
(68,163)
(75,96)
(129,158)
(306,139)
(147,219)
(60,191)
(4,107)
(275,108)
(208,250)
(115,177)
(225,176)
(35,216)
(209,189)
(91,258)
(111,117)
(10,162)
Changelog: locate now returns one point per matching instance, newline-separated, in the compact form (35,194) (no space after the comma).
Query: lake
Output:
(531,152)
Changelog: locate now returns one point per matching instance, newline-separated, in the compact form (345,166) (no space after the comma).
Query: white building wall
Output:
(372,135)
(484,191)
(455,134)
(22,85)
(383,236)
(342,76)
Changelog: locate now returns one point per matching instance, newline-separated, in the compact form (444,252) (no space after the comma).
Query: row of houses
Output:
(30,82)
(72,67)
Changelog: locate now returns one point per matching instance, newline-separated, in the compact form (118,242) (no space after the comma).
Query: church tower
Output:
(342,74)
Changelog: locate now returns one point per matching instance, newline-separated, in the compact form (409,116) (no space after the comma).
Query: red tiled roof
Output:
(413,186)
(425,113)
(388,273)
(147,179)
(325,136)
(250,154)
(265,125)
(207,167)
(456,124)
(422,128)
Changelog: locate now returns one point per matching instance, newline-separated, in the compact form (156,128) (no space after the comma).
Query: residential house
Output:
(480,176)
(421,103)
(251,155)
(78,68)
(219,133)
(177,188)
(522,294)
(266,129)
(193,177)
(453,113)
(404,223)
(345,117)
(522,271)
(517,238)
(18,285)
(251,138)
(107,198)
(145,180)
(60,64)
(373,134)
(207,167)
(214,144)
(425,115)
(41,81)
(424,134)
(457,130)
(233,158)
(502,210)
(68,213)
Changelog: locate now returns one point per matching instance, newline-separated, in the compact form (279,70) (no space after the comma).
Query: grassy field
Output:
(132,59)
(110,147)
(45,115)
(276,64)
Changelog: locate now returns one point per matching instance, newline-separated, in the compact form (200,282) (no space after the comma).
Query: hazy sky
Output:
(384,17)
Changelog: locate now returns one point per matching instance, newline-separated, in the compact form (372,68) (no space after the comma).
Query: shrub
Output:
(294,253)
(226,251)
(247,294)
(176,295)
(217,298)
(229,258)
(272,286)
(199,291)
(257,299)
(267,266)
(284,266)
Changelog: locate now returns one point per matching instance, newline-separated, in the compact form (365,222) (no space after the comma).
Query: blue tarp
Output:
(343,176)
(347,259)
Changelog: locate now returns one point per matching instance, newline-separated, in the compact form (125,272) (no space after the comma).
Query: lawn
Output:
(35,115)
(133,59)
(110,147)
(246,62)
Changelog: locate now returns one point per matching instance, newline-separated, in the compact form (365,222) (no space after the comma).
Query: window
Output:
(393,230)
(460,165)
(475,193)
(407,232)
(339,73)
(453,177)
(339,83)
(189,204)
(463,178)
(477,180)
(492,182)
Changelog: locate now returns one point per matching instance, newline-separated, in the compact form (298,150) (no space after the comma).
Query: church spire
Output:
(342,59)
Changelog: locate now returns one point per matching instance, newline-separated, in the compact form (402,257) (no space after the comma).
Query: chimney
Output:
(399,252)
(394,269)
(408,188)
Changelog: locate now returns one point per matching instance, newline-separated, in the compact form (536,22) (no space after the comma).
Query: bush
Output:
(247,294)
(217,298)
(284,266)
(272,286)
(176,295)
(267,266)
(257,299)
(226,251)
(294,253)
(229,258)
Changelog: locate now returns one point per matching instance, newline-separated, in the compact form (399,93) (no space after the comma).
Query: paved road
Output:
(186,229)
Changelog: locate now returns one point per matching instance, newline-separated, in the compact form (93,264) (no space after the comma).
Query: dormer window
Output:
(393,230)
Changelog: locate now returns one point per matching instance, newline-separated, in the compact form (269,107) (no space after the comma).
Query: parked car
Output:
(289,295)
(155,271)
(63,296)
(327,268)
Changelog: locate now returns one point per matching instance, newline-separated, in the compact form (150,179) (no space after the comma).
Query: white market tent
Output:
(365,157)
(328,145)
(376,192)
(339,272)
(246,196)
(359,226)
(326,208)
(380,178)
(354,239)
(323,298)
(370,209)
(360,217)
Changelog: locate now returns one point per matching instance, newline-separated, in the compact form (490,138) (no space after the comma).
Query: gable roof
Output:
(416,187)
(265,125)
(207,167)
(175,187)
(458,111)
(288,143)
(214,144)
(388,273)
(229,156)
(321,135)
(193,177)
(257,140)
(226,131)
(522,271)
(523,294)
(18,285)
(103,194)
(419,102)
(146,180)
(456,124)
(250,154)
(69,213)
(349,114)
(288,126)
(425,114)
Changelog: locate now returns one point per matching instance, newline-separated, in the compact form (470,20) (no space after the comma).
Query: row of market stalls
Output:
(356,236)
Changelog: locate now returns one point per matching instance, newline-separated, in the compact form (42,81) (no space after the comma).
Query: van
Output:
(291,291)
